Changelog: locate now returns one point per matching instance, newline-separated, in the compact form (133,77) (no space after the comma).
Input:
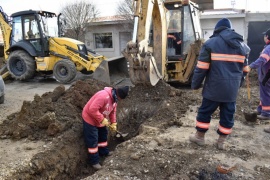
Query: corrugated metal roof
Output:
(109,18)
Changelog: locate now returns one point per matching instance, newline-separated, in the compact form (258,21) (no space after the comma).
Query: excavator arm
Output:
(166,41)
(145,64)
(5,30)
(62,49)
(6,33)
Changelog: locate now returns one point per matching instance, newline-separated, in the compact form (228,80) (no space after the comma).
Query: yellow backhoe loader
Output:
(31,46)
(166,41)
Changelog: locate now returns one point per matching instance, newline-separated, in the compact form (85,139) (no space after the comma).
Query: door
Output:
(124,37)
(207,33)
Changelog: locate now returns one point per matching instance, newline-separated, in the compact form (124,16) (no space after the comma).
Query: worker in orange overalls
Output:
(262,64)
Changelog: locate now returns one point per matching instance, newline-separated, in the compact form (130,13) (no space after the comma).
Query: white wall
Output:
(248,5)
(238,4)
(239,24)
(208,25)
(90,42)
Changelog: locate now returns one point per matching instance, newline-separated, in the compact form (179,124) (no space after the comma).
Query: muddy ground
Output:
(43,139)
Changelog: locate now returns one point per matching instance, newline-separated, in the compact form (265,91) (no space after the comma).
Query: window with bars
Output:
(103,40)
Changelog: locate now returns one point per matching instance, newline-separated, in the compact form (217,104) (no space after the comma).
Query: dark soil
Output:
(158,121)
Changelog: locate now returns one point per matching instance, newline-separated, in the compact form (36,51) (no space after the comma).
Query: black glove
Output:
(266,78)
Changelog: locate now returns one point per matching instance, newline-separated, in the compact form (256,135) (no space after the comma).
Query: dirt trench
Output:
(158,119)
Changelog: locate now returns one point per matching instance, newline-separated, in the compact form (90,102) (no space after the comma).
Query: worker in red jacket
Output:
(98,114)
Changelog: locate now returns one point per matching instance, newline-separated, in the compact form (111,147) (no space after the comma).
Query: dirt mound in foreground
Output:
(55,117)
(158,119)
(51,114)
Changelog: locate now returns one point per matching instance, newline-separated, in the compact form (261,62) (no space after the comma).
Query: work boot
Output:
(110,153)
(220,142)
(261,117)
(197,138)
(97,166)
(267,129)
(106,155)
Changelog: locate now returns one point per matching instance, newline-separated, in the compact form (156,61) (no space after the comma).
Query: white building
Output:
(249,18)
(109,35)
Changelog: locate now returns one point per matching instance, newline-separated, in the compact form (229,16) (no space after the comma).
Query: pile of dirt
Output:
(158,119)
(51,114)
(54,117)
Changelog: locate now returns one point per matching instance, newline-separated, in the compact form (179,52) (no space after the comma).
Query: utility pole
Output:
(233,3)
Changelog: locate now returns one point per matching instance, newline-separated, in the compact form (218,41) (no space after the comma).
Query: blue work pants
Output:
(208,107)
(264,106)
(96,142)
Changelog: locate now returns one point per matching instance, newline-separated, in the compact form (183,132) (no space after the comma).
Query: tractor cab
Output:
(31,30)
(182,28)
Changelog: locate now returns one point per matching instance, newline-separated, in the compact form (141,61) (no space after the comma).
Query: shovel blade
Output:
(250,117)
(121,136)
(118,135)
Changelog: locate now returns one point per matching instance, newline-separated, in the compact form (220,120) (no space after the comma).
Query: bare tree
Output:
(125,8)
(77,15)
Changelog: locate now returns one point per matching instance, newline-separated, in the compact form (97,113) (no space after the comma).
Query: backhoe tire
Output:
(21,65)
(64,71)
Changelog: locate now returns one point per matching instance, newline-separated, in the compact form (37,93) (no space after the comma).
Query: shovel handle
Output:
(248,88)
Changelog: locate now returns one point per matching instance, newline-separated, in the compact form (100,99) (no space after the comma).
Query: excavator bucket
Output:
(112,70)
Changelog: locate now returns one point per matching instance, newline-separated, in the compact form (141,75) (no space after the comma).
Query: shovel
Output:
(249,116)
(119,136)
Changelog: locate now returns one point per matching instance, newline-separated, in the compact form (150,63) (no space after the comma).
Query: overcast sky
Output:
(105,7)
(108,7)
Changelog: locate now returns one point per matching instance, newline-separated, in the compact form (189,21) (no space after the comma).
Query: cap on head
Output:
(122,92)
(267,33)
(224,22)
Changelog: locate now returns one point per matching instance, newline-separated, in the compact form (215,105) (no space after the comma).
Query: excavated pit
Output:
(158,120)
(55,118)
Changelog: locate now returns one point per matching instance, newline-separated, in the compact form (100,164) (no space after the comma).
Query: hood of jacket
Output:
(109,91)
(232,38)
